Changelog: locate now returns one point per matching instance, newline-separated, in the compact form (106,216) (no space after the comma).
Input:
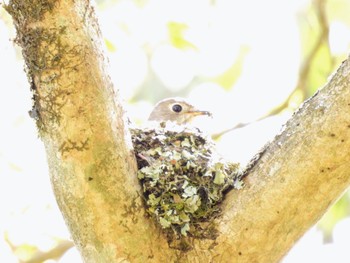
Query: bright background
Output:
(248,61)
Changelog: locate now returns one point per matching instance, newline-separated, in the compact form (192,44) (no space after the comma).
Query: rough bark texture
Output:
(92,168)
(303,171)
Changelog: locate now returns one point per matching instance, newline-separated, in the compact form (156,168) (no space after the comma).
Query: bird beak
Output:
(199,113)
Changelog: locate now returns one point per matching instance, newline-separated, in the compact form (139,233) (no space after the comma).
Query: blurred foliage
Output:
(338,211)
(110,46)
(316,50)
(320,69)
(338,10)
(228,79)
(177,35)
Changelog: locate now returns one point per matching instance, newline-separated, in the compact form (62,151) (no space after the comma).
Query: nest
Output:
(183,179)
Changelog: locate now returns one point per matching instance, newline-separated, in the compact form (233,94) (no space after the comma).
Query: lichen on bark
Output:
(184,180)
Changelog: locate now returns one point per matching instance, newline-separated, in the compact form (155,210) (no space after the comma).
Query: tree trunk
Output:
(92,167)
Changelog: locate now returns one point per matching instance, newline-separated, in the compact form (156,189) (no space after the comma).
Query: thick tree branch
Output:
(301,173)
(92,166)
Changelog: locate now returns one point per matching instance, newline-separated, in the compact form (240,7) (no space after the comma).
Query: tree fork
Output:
(92,168)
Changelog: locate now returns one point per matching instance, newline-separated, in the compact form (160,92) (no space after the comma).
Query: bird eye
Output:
(177,108)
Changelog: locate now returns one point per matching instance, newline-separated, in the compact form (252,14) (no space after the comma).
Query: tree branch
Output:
(301,173)
(91,162)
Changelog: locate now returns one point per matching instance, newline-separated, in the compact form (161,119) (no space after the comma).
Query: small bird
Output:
(176,110)
(183,178)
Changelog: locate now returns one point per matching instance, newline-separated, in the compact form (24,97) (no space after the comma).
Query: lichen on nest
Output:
(183,178)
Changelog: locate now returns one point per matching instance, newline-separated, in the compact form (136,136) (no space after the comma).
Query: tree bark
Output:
(299,175)
(288,187)
(81,122)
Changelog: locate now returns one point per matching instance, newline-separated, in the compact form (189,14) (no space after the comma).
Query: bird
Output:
(183,177)
(176,110)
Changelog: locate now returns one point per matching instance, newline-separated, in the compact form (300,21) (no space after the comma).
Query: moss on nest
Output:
(183,180)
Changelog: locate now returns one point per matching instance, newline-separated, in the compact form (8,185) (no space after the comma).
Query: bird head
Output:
(176,110)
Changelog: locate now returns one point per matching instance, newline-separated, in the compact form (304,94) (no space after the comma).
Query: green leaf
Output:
(176,34)
(110,46)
